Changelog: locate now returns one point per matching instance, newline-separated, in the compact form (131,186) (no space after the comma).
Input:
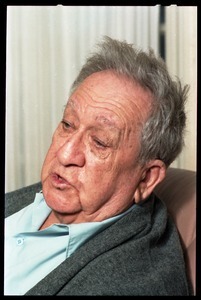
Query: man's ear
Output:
(153,173)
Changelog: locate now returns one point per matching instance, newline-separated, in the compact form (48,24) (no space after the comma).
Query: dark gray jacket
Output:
(140,254)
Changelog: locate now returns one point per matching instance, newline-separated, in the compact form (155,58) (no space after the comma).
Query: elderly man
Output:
(95,226)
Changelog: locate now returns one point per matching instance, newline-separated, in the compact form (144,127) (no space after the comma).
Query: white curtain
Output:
(181,57)
(46,46)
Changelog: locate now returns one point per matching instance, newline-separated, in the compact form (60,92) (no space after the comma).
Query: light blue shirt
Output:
(31,254)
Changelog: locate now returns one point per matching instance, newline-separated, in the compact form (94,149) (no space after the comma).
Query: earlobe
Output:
(154,172)
(137,196)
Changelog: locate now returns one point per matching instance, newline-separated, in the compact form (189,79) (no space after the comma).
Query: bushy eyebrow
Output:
(105,121)
(101,121)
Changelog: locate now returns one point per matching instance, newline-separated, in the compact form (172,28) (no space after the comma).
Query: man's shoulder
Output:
(18,199)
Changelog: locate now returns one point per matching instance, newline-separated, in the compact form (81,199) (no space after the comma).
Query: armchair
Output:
(178,191)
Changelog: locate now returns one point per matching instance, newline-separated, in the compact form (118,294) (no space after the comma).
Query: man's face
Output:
(91,170)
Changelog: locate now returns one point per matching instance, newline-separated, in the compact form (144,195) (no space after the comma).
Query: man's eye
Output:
(100,143)
(66,125)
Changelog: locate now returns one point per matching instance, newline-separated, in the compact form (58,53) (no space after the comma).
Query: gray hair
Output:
(163,133)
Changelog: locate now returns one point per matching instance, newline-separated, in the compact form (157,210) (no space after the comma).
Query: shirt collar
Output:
(40,211)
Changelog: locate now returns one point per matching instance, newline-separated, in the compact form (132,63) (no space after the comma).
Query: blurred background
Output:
(46,46)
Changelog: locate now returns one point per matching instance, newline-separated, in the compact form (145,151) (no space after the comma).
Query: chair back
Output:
(178,191)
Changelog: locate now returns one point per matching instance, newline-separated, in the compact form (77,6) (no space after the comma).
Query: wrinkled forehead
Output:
(115,95)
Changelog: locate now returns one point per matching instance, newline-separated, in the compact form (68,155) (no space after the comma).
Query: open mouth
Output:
(59,181)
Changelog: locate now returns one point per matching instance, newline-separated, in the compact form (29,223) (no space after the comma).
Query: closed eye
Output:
(100,143)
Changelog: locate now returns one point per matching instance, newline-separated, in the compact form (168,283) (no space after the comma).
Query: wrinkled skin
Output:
(91,171)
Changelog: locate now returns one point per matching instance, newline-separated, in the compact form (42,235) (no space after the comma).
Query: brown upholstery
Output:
(178,191)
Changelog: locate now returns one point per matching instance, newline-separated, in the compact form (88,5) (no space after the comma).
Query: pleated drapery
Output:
(181,58)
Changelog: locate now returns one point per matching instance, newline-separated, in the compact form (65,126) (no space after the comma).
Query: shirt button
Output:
(20,241)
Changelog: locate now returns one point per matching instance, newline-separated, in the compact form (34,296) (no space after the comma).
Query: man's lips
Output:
(59,181)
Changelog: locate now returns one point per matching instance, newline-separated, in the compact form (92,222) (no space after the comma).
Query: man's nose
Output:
(72,151)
